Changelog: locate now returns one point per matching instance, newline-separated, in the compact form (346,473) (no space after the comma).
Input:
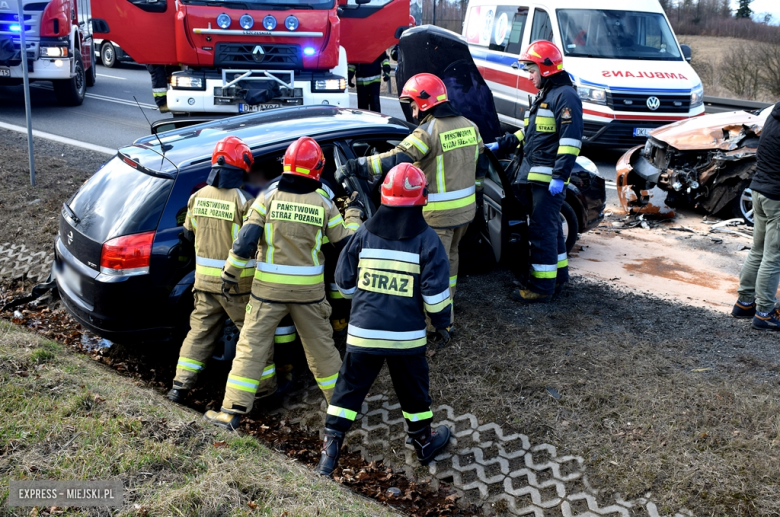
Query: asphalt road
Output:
(110,117)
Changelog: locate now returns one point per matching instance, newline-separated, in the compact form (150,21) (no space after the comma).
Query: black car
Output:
(120,266)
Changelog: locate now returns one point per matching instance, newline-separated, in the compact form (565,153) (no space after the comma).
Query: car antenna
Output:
(162,147)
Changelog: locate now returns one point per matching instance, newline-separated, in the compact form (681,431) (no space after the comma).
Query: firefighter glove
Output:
(493,146)
(386,77)
(228,282)
(357,168)
(355,203)
(556,186)
(444,334)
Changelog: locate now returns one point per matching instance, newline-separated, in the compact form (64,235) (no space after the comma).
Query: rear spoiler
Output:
(170,124)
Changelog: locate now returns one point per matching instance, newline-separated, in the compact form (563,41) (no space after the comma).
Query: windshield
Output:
(266,4)
(617,35)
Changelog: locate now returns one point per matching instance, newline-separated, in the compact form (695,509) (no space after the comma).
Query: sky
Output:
(763,6)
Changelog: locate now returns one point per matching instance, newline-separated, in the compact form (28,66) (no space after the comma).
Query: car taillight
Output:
(127,255)
(55,19)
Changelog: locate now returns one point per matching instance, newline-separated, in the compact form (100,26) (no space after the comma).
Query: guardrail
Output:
(720,105)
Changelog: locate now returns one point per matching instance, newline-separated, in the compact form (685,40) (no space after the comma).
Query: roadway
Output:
(110,116)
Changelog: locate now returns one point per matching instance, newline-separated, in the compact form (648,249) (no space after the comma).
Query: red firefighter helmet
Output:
(426,90)
(405,185)
(412,21)
(304,158)
(232,151)
(545,55)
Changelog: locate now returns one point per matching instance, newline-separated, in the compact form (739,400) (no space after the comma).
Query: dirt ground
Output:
(659,395)
(31,214)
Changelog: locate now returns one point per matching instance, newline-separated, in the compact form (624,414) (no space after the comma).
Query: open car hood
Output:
(710,131)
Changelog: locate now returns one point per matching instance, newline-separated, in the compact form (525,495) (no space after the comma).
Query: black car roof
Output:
(193,143)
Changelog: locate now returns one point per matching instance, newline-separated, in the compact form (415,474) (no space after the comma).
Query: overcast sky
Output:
(763,6)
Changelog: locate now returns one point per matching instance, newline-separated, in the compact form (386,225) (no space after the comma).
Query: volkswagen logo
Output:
(258,53)
(70,237)
(653,103)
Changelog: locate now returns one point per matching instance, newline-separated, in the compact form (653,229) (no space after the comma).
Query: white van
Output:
(629,69)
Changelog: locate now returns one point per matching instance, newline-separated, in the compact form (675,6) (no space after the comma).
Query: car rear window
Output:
(119,200)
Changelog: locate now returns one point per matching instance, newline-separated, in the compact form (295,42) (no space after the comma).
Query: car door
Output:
(143,28)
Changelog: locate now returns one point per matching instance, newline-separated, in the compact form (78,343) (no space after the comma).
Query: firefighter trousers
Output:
(409,373)
(159,75)
(368,96)
(205,329)
(549,264)
(450,238)
(254,372)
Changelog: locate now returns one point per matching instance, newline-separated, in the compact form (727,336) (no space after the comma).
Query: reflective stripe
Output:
(259,207)
(385,343)
(160,94)
(269,239)
(335,295)
(417,143)
(280,331)
(299,170)
(234,231)
(369,78)
(437,307)
(453,280)
(478,182)
(347,293)
(414,258)
(436,298)
(194,223)
(285,339)
(416,417)
(566,149)
(393,265)
(352,226)
(450,205)
(520,136)
(243,383)
(385,334)
(241,195)
(190,364)
(545,113)
(544,178)
(440,186)
(288,279)
(233,261)
(449,196)
(571,142)
(542,170)
(334,221)
(268,371)
(544,270)
(208,271)
(328,191)
(326,383)
(333,287)
(376,164)
(315,251)
(342,412)
(290,270)
(563,260)
(202,261)
(324,197)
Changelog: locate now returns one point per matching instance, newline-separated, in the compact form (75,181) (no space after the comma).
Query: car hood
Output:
(710,131)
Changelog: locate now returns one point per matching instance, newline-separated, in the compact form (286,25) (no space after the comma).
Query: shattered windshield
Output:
(609,34)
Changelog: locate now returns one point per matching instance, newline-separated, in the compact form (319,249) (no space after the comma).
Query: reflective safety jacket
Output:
(447,150)
(553,132)
(215,216)
(393,283)
(287,229)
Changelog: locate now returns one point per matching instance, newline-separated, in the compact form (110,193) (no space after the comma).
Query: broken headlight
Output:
(697,96)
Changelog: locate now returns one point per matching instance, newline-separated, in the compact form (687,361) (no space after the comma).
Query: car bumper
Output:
(635,194)
(618,133)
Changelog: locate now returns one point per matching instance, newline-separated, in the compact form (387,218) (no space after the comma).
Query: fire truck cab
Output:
(58,36)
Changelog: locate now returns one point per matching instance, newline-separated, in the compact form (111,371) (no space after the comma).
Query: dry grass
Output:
(169,462)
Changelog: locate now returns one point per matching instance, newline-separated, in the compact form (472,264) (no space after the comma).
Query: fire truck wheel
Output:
(71,92)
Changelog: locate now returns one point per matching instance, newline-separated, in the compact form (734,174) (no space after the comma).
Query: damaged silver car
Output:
(706,162)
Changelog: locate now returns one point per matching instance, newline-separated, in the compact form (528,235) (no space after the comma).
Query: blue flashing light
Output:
(309,51)
(15,28)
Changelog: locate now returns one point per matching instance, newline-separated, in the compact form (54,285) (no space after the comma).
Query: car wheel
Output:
(108,55)
(71,92)
(742,206)
(571,227)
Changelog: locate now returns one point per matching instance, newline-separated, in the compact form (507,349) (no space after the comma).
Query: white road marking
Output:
(60,139)
(113,77)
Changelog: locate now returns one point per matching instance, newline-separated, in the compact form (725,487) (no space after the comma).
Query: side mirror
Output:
(686,50)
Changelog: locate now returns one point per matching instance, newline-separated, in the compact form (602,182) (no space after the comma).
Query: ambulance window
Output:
(542,28)
(515,43)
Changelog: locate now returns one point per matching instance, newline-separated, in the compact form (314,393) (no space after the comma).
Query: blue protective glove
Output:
(556,186)
(493,146)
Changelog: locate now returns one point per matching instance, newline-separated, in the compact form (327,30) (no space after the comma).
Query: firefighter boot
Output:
(224,420)
(331,448)
(526,296)
(428,443)
(177,393)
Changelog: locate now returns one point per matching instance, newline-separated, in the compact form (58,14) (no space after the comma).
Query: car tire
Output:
(92,72)
(742,204)
(108,55)
(71,92)
(571,226)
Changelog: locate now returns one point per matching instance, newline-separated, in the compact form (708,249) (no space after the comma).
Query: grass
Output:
(67,418)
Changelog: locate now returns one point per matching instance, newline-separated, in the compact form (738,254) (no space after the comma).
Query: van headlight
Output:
(593,95)
(187,82)
(697,96)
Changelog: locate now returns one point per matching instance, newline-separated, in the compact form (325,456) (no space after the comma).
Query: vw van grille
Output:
(243,55)
(637,102)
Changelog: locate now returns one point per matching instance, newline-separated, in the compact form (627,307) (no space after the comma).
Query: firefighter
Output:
(369,78)
(549,148)
(286,226)
(395,269)
(160,74)
(215,214)
(448,149)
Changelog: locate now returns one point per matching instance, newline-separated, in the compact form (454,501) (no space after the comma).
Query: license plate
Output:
(71,279)
(248,108)
(642,131)
(5,72)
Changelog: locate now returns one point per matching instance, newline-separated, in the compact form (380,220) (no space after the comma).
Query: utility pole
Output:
(434,13)
(27,101)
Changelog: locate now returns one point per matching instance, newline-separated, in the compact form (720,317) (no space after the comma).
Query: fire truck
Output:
(59,46)
(250,55)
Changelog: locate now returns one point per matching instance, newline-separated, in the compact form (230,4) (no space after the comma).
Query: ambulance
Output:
(623,57)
